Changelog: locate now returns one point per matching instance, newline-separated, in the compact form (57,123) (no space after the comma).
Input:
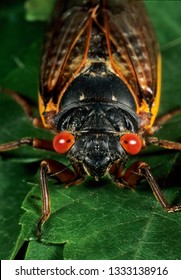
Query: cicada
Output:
(99,95)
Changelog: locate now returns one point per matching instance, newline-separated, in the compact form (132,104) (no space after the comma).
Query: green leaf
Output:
(44,251)
(95,220)
(38,9)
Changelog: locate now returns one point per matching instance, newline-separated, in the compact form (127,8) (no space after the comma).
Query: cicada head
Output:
(100,135)
(95,153)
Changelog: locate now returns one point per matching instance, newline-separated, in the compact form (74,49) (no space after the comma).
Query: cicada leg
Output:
(164,143)
(135,173)
(58,170)
(37,122)
(63,174)
(158,123)
(164,118)
(34,142)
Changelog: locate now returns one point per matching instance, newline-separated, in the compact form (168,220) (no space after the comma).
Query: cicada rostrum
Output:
(99,94)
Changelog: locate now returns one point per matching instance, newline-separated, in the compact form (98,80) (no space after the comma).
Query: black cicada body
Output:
(99,83)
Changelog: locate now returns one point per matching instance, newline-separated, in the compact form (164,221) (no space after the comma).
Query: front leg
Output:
(63,174)
(134,174)
(48,167)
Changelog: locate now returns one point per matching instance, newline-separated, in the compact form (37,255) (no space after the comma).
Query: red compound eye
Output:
(131,143)
(63,141)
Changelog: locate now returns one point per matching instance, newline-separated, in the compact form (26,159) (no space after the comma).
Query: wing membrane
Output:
(64,51)
(133,47)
